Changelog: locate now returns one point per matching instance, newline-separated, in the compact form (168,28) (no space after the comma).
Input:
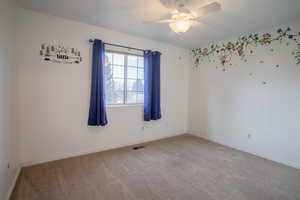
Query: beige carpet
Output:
(182,168)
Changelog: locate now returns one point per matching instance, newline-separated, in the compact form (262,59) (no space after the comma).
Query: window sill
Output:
(124,105)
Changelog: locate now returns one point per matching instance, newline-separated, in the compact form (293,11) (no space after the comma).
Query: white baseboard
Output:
(87,151)
(288,164)
(14,181)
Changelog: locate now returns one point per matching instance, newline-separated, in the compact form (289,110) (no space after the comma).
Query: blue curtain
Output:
(97,112)
(152,85)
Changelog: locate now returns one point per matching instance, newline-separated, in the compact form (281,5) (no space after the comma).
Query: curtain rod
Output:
(117,45)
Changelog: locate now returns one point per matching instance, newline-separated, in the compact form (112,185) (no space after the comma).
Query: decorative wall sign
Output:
(60,54)
(239,47)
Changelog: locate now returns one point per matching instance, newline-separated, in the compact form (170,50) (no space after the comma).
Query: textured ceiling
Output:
(237,16)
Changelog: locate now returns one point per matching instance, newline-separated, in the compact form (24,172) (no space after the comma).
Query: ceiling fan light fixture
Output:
(180,26)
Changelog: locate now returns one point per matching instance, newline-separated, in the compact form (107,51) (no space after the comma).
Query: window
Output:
(124,78)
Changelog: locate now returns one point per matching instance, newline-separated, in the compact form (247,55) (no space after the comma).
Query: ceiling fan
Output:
(182,18)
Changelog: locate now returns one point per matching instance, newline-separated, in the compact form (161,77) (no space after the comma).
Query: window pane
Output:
(118,72)
(114,91)
(132,61)
(132,72)
(140,97)
(118,84)
(131,97)
(118,59)
(115,97)
(115,78)
(119,97)
(108,58)
(140,73)
(108,73)
(131,85)
(141,62)
(140,85)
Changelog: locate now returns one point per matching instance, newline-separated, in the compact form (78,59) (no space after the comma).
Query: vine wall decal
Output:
(226,51)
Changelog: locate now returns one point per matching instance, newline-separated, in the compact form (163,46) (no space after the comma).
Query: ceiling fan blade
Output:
(200,21)
(195,22)
(183,10)
(165,19)
(209,9)
(159,21)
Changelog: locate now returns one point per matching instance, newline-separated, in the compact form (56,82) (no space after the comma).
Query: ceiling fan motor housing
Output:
(181,3)
(175,4)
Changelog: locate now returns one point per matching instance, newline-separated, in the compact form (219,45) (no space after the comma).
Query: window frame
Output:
(125,79)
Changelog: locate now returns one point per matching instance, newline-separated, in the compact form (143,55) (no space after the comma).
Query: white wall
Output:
(53,99)
(227,106)
(7,66)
